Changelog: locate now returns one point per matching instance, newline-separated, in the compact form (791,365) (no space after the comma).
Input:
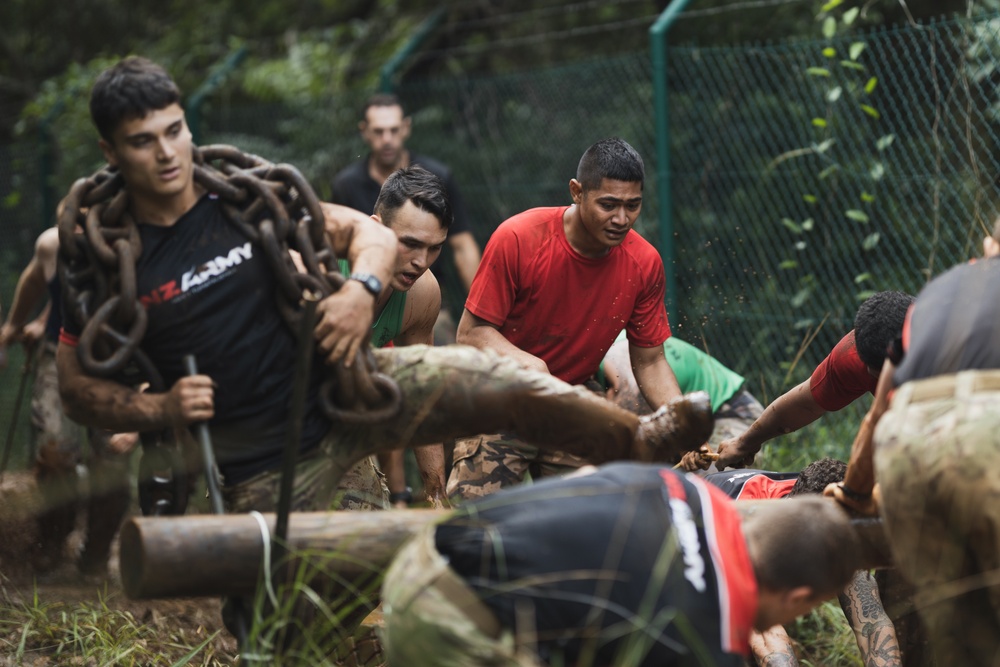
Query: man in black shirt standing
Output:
(385,127)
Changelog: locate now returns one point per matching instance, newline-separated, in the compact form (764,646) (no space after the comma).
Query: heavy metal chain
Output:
(272,205)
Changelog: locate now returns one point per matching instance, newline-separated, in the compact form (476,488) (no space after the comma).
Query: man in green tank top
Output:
(733,407)
(413,204)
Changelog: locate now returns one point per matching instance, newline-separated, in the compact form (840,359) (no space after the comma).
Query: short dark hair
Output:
(613,159)
(415,184)
(381,100)
(131,88)
(804,541)
(818,475)
(878,324)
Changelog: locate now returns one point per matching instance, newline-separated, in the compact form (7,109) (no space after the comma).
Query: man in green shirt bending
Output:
(733,407)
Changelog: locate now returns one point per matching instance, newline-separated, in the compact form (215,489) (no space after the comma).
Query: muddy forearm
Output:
(101,403)
(789,412)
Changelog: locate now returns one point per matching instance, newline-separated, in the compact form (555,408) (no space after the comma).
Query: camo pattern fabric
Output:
(426,628)
(487,463)
(57,439)
(937,462)
(361,488)
(734,417)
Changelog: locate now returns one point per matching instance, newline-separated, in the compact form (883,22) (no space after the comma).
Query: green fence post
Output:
(658,54)
(193,106)
(388,71)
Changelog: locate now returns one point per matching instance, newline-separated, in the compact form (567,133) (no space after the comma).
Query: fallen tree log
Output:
(210,555)
(224,555)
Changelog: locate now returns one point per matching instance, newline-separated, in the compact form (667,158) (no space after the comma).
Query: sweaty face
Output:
(385,131)
(420,239)
(154,154)
(606,215)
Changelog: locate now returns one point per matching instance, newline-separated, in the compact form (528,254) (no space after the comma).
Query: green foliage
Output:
(839,98)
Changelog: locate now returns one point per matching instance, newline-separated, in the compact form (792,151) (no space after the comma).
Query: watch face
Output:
(371,283)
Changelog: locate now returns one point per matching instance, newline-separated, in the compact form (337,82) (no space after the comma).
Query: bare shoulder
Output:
(47,243)
(339,218)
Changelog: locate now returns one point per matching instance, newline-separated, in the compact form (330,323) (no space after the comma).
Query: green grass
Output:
(88,633)
(825,638)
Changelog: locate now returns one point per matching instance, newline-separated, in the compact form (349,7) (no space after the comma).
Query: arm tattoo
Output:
(872,627)
(779,659)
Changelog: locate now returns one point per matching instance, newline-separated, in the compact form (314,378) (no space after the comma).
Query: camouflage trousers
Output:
(432,618)
(734,417)
(361,488)
(487,463)
(57,438)
(58,450)
(937,462)
(454,391)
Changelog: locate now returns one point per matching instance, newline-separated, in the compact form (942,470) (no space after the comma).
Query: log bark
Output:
(223,555)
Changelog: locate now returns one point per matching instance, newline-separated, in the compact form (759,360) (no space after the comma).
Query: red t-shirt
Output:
(842,377)
(562,307)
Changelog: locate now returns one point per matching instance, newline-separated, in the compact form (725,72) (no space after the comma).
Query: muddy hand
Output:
(681,426)
(701,459)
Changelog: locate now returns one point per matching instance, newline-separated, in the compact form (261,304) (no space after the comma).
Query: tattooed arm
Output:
(773,648)
(873,630)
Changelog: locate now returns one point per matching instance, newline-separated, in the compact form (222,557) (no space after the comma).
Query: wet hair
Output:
(613,159)
(131,88)
(878,324)
(804,541)
(817,475)
(415,184)
(381,100)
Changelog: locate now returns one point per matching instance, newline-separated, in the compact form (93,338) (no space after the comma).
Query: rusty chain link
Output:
(272,205)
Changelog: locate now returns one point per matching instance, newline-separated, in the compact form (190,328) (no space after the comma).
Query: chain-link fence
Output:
(804,174)
(20,212)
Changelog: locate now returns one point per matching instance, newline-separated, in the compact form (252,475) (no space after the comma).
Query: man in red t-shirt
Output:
(555,287)
(849,371)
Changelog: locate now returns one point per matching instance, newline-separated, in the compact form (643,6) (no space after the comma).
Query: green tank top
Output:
(695,371)
(389,322)
(698,371)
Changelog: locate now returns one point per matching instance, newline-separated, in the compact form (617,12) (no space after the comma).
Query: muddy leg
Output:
(57,451)
(459,391)
(106,506)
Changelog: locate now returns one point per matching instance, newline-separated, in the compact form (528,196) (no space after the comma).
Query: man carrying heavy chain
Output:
(197,274)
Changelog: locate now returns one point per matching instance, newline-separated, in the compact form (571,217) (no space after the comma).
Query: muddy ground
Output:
(63,589)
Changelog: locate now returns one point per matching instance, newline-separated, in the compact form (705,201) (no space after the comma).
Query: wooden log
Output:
(223,555)
(207,555)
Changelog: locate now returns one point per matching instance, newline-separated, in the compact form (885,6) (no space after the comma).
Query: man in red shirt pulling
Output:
(849,371)
(555,287)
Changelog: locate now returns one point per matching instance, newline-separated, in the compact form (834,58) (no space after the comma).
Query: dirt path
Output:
(65,591)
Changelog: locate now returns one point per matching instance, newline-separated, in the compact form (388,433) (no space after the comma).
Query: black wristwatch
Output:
(371,283)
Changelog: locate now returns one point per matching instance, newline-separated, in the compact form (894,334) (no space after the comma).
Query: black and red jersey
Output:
(744,484)
(632,557)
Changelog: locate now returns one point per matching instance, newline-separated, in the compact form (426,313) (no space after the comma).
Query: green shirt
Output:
(695,371)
